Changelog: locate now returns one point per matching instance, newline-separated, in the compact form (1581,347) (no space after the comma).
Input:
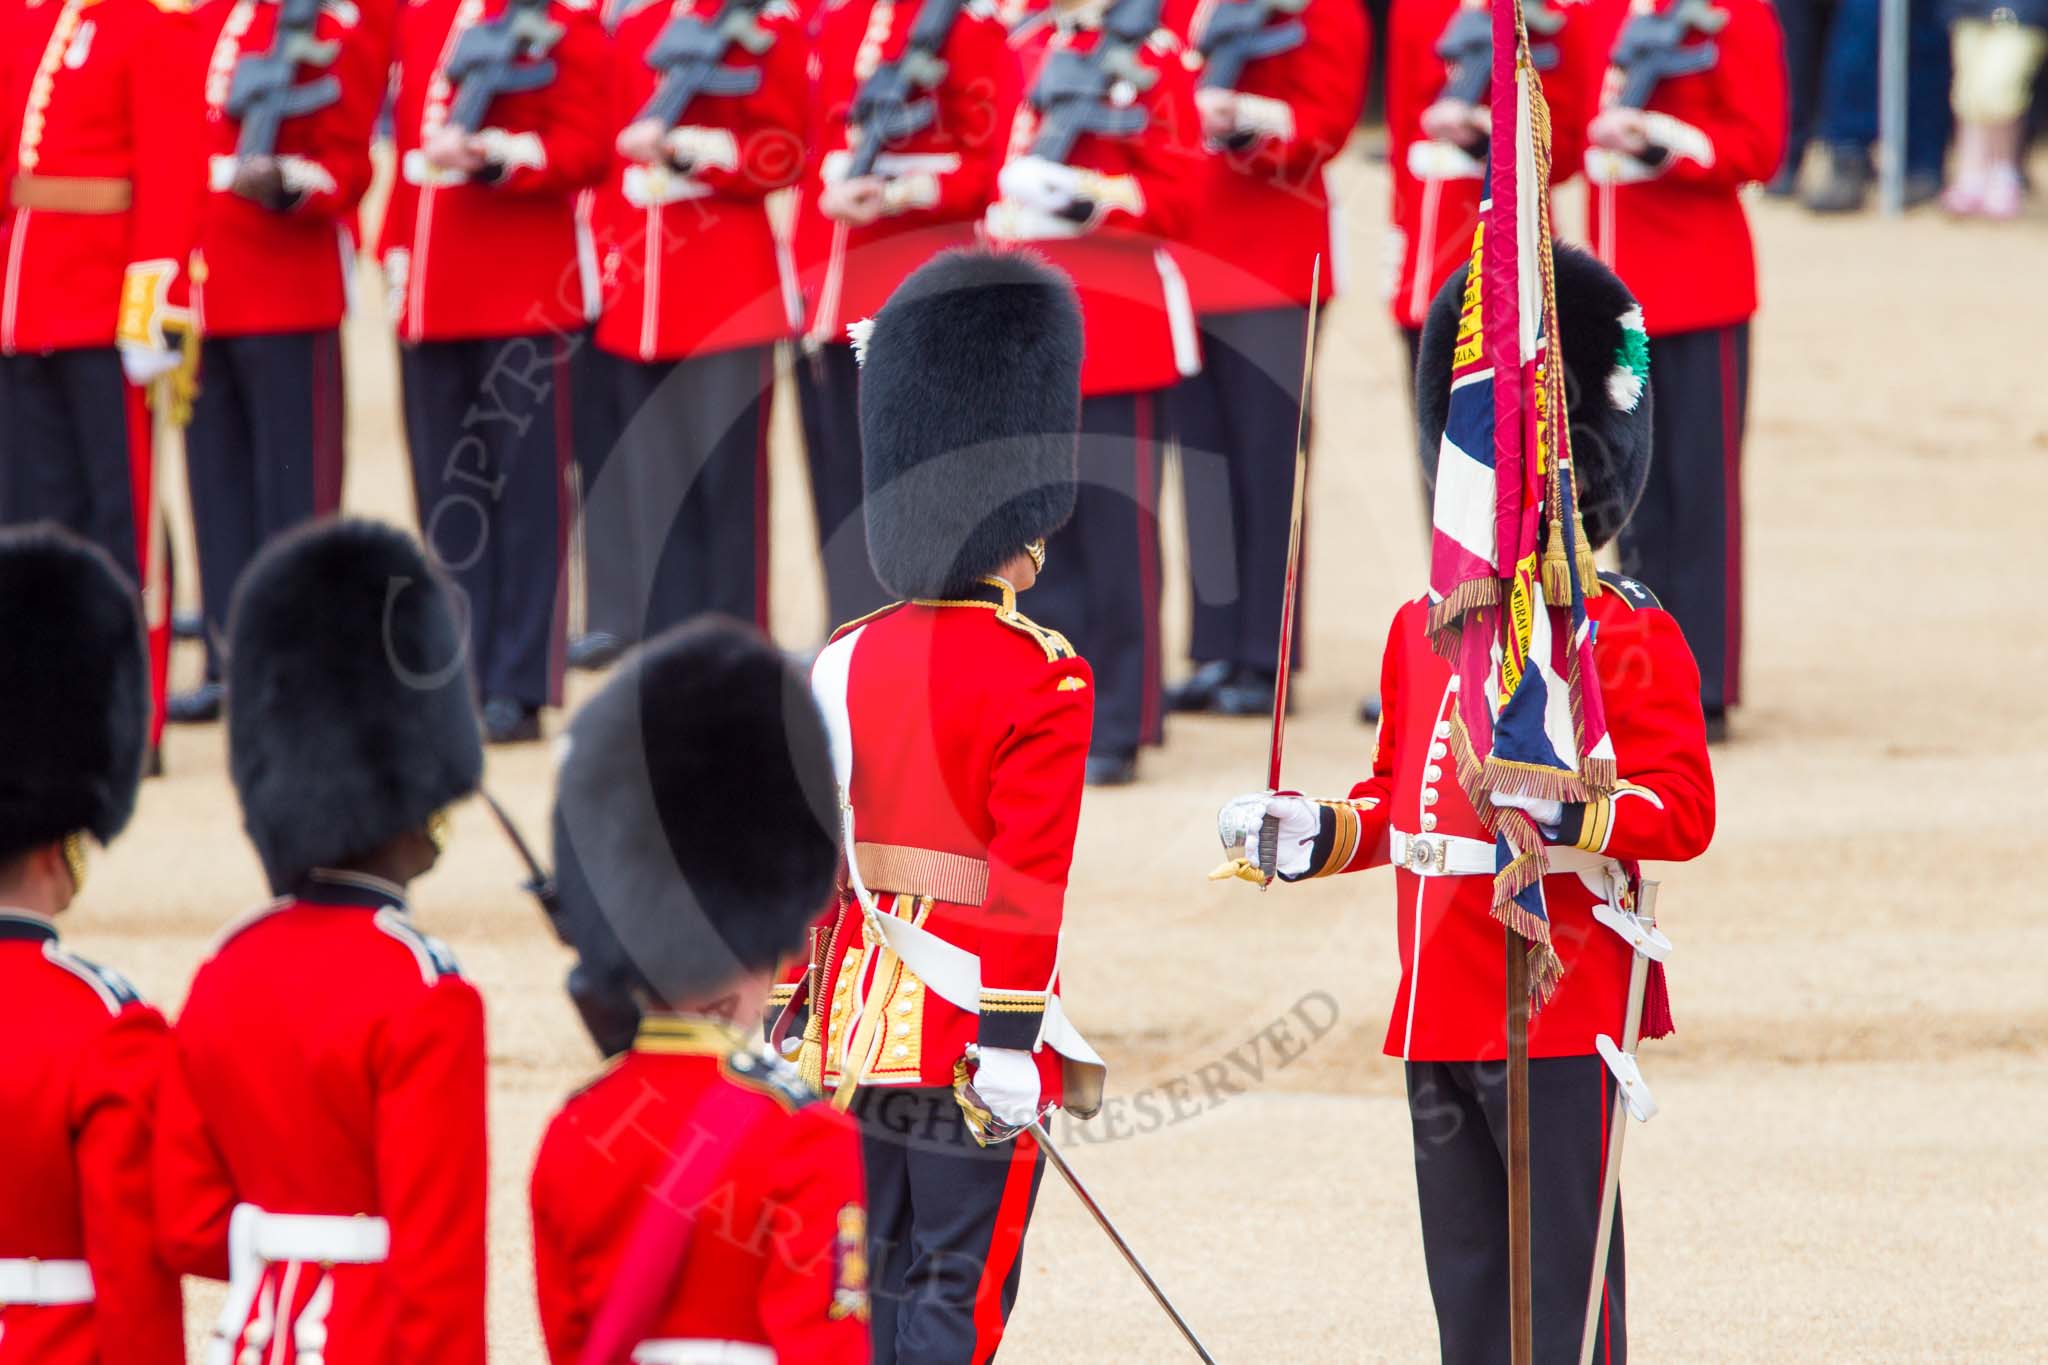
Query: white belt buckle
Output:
(1426,855)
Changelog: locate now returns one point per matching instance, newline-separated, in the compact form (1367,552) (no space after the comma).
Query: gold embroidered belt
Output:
(908,871)
(94,194)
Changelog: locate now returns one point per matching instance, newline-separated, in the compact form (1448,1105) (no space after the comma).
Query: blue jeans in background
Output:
(1848,99)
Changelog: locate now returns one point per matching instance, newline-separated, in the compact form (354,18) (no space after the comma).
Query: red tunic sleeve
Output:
(430,1152)
(137,1309)
(1035,808)
(813,1297)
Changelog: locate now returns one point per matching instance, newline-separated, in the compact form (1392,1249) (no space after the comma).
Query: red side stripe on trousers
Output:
(565,519)
(1147,497)
(149,553)
(1731,501)
(1006,1244)
(763,410)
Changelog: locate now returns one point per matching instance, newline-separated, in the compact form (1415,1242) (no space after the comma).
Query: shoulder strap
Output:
(1635,594)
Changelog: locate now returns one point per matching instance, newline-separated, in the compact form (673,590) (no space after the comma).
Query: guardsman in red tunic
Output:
(960,731)
(694,303)
(320,1136)
(934,154)
(1448,1024)
(492,284)
(697,1201)
(1692,109)
(1099,185)
(1279,92)
(277,248)
(99,153)
(80,1279)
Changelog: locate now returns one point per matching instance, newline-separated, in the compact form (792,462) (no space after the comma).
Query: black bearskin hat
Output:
(970,401)
(349,713)
(1606,382)
(74,691)
(695,818)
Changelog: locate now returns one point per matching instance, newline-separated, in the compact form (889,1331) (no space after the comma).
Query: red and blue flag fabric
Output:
(1509,566)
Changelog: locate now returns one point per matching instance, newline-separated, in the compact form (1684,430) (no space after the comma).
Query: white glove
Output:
(1007,1081)
(1032,182)
(1543,811)
(144,365)
(397,275)
(1242,817)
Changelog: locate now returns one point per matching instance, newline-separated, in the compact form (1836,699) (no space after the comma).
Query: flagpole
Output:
(1521,1297)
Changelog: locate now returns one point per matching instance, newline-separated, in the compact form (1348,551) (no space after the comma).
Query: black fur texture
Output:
(350,718)
(1610,446)
(74,691)
(970,401)
(696,822)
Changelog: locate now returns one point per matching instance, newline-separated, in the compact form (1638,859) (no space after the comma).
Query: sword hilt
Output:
(1269,847)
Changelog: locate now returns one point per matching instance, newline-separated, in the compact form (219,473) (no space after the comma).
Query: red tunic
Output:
(504,259)
(95,90)
(1453,981)
(846,276)
(1680,240)
(330,1061)
(777,1258)
(1134,301)
(1434,215)
(84,1056)
(288,272)
(1265,212)
(689,263)
(970,728)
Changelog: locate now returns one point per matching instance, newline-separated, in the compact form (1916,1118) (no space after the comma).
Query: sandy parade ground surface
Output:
(1849,1163)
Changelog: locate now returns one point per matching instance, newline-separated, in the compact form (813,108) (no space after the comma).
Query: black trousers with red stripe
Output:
(828,390)
(1685,539)
(1459,1113)
(946,1221)
(488,421)
(76,449)
(1234,423)
(263,453)
(1100,587)
(687,488)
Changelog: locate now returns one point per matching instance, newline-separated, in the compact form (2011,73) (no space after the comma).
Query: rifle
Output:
(1652,47)
(896,102)
(501,56)
(1075,92)
(261,95)
(1237,33)
(602,994)
(690,55)
(1466,49)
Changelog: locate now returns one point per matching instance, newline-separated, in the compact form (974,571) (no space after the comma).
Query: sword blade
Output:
(1059,1163)
(1617,1129)
(1284,665)
(517,840)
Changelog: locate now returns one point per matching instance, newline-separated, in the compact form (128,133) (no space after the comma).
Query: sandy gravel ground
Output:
(1849,1162)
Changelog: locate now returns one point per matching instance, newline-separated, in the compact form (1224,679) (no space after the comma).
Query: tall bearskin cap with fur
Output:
(350,719)
(1606,379)
(695,818)
(74,691)
(970,401)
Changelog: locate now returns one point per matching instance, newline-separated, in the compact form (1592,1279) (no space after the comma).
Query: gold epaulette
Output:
(1051,641)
